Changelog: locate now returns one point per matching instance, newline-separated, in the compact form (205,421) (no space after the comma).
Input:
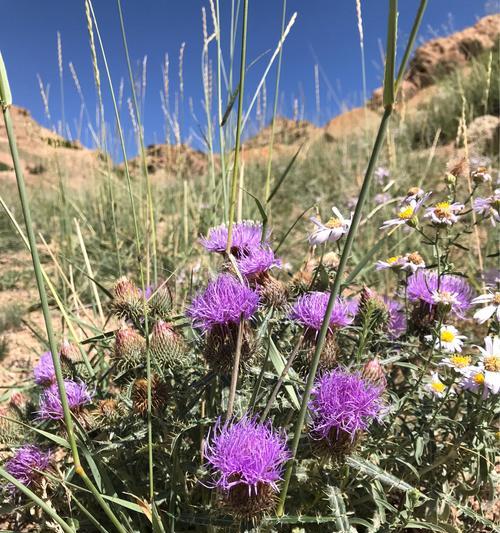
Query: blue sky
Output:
(325,33)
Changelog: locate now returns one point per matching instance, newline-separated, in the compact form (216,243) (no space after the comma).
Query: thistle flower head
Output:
(246,453)
(452,292)
(50,407)
(257,260)
(43,372)
(343,403)
(26,464)
(246,235)
(309,310)
(224,302)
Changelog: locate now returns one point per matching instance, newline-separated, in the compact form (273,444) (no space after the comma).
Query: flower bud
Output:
(159,395)
(69,351)
(127,300)
(374,373)
(167,347)
(108,413)
(130,348)
(372,311)
(160,302)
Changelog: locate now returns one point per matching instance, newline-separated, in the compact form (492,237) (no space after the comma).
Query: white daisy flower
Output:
(448,340)
(396,262)
(330,231)
(474,380)
(444,213)
(460,363)
(492,299)
(435,386)
(490,360)
(407,213)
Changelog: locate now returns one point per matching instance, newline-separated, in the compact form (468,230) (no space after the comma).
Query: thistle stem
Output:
(389,92)
(6,102)
(234,375)
(241,87)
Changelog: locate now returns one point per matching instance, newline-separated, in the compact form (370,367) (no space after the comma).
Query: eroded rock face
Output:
(483,134)
(441,56)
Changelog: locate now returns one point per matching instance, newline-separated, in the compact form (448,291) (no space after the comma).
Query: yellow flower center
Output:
(479,378)
(496,298)
(333,223)
(393,259)
(447,336)
(460,361)
(442,210)
(492,363)
(437,386)
(406,213)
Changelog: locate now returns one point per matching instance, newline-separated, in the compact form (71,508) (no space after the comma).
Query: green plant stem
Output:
(234,374)
(331,302)
(37,267)
(219,110)
(142,147)
(38,501)
(234,182)
(154,253)
(267,189)
(335,289)
(410,44)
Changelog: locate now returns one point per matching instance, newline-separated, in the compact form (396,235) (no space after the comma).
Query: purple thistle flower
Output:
(397,318)
(50,407)
(309,310)
(343,403)
(245,453)
(257,260)
(43,372)
(223,302)
(453,291)
(246,235)
(25,463)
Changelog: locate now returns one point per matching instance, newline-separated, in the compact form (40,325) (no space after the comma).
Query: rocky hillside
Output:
(46,156)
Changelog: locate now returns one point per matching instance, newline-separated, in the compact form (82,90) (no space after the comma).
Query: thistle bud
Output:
(273,292)
(167,347)
(127,300)
(107,413)
(160,302)
(372,311)
(374,373)
(69,351)
(130,348)
(139,395)
(11,432)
